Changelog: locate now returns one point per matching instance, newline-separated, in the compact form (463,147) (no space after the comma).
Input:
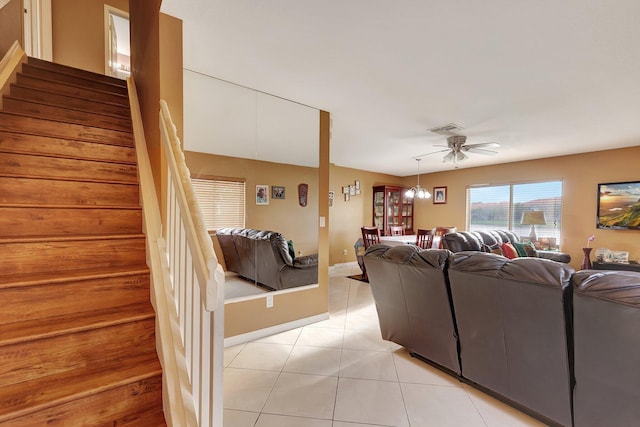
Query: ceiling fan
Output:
(457,147)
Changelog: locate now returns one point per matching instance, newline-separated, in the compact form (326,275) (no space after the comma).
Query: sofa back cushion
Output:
(411,293)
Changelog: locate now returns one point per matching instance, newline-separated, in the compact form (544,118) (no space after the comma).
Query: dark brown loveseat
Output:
(485,240)
(263,256)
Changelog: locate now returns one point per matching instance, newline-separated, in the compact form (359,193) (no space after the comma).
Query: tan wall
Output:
(78,32)
(348,217)
(11,24)
(580,174)
(246,316)
(295,222)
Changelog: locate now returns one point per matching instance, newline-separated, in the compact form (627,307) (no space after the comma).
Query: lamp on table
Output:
(533,218)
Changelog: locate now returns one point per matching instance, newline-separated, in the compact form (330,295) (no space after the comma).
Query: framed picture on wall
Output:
(439,195)
(277,192)
(262,194)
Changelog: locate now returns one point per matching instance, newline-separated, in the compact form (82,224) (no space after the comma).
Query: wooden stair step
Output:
(11,122)
(65,77)
(76,385)
(38,220)
(14,191)
(53,98)
(79,321)
(75,71)
(11,142)
(71,89)
(64,114)
(138,404)
(76,345)
(8,281)
(37,166)
(51,298)
(33,255)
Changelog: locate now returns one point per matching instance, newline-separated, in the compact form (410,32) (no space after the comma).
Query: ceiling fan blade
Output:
(428,154)
(448,158)
(440,145)
(481,151)
(483,144)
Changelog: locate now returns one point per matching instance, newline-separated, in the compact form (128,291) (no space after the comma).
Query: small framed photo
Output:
(345,189)
(277,192)
(331,197)
(262,194)
(346,197)
(357,186)
(439,195)
(352,190)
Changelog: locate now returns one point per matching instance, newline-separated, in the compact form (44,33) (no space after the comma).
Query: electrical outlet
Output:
(344,252)
(269,301)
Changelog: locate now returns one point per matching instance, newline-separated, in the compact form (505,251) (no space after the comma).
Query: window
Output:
(221,200)
(501,207)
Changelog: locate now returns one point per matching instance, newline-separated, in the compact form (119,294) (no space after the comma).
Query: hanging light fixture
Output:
(417,191)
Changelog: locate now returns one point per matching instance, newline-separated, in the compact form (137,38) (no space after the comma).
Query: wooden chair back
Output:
(424,238)
(370,236)
(396,230)
(441,231)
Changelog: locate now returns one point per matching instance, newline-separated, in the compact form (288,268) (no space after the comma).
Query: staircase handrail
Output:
(178,407)
(207,262)
(9,64)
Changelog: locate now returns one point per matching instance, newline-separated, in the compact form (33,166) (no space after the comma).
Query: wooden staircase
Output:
(77,329)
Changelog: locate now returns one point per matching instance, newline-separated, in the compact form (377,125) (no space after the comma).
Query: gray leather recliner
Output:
(411,293)
(606,313)
(263,256)
(514,328)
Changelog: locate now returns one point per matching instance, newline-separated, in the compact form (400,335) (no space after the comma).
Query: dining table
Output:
(406,239)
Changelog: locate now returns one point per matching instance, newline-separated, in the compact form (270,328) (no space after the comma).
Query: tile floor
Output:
(340,373)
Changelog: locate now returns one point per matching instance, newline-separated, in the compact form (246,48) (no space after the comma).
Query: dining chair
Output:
(424,238)
(441,231)
(370,236)
(396,230)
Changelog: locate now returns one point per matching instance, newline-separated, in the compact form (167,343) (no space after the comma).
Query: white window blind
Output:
(222,201)
(500,207)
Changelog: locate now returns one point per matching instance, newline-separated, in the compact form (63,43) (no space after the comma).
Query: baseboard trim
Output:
(261,333)
(344,264)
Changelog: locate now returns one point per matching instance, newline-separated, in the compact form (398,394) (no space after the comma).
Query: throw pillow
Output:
(292,251)
(509,251)
(526,249)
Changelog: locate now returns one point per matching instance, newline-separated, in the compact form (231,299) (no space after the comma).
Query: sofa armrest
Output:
(306,261)
(555,256)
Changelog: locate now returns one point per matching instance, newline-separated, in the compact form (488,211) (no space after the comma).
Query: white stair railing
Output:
(187,286)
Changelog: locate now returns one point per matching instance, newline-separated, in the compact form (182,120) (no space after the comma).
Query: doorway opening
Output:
(116,43)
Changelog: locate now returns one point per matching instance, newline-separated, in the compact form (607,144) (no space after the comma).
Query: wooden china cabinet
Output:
(392,207)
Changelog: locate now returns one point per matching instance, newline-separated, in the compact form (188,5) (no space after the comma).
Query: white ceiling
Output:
(542,78)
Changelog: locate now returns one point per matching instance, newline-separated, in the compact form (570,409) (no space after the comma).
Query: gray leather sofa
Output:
(483,240)
(411,292)
(606,312)
(263,256)
(513,319)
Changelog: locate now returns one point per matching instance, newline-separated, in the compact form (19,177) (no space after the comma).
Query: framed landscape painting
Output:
(619,205)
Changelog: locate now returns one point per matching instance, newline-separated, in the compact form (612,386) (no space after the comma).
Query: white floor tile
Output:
(287,337)
(234,418)
(343,424)
(230,353)
(365,339)
(440,406)
(412,370)
(372,402)
(321,337)
(303,395)
(269,420)
(314,360)
(499,414)
(246,389)
(335,321)
(263,356)
(367,364)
